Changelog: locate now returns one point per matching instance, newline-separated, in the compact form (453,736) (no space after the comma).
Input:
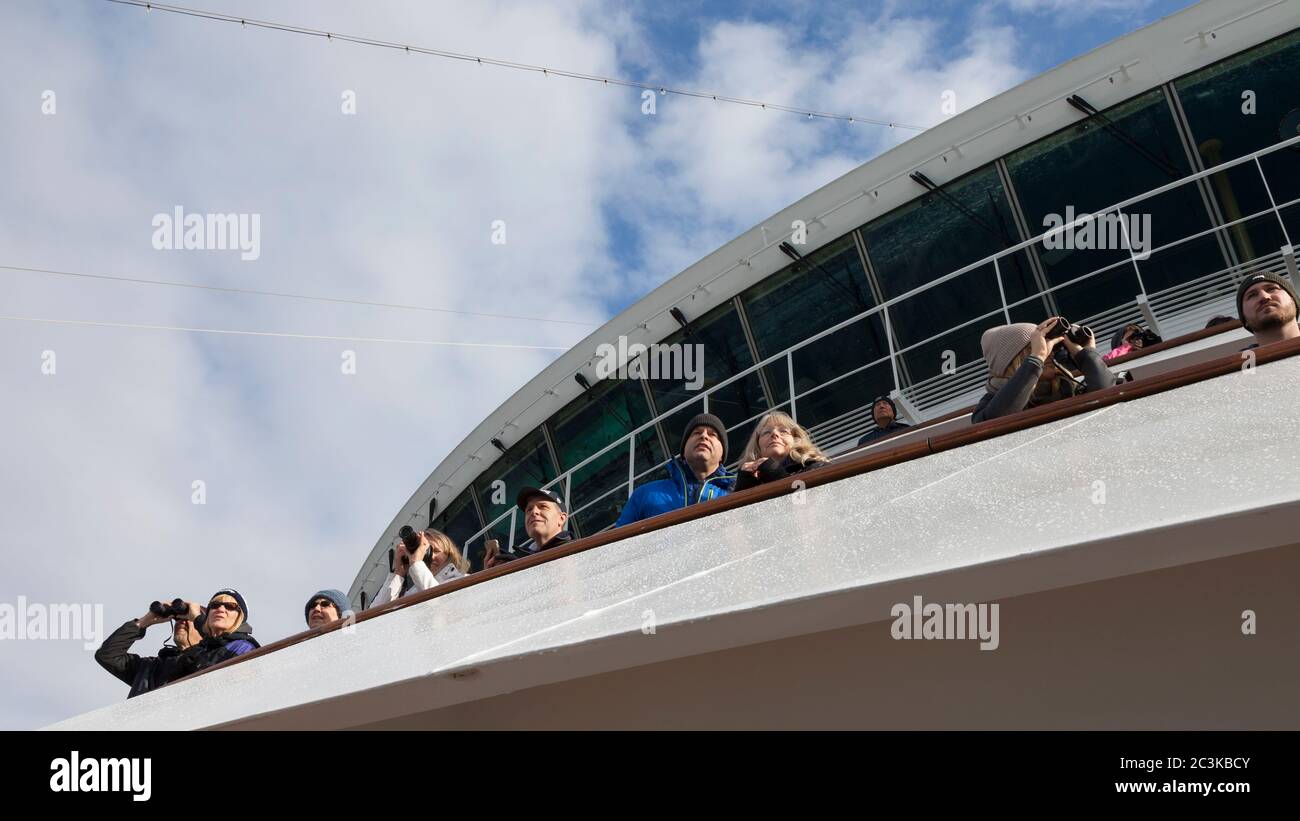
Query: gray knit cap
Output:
(1001,345)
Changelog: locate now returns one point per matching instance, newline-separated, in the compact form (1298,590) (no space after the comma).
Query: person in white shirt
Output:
(436,560)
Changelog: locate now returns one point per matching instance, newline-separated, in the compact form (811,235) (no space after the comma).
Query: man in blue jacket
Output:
(694,475)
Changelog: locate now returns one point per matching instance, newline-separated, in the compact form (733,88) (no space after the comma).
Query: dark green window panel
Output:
(826,288)
(1212,98)
(460,519)
(725,353)
(935,235)
(1088,166)
(607,412)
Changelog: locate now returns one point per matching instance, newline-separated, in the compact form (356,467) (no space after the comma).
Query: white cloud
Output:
(304,466)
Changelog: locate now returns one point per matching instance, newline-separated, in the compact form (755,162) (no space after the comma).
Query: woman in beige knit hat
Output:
(1022,373)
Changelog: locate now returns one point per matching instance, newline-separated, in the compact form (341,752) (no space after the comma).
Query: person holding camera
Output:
(777,449)
(204,636)
(1128,339)
(421,560)
(1023,366)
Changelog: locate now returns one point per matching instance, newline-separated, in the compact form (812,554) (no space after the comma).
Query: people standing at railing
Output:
(885,414)
(226,632)
(1266,304)
(696,474)
(778,449)
(326,606)
(1130,338)
(150,672)
(1023,371)
(435,560)
(545,522)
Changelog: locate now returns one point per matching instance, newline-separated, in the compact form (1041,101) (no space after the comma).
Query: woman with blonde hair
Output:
(1023,372)
(436,560)
(778,448)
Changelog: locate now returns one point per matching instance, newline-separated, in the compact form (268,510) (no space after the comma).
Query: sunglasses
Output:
(228,605)
(321,603)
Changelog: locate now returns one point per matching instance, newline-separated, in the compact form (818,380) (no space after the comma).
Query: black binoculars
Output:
(172,609)
(1078,334)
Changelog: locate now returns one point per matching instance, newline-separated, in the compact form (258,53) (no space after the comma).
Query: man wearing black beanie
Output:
(696,474)
(1266,304)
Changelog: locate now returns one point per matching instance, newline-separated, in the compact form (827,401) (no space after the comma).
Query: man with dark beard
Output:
(1266,304)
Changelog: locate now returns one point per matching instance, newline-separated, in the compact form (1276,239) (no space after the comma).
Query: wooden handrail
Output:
(842,468)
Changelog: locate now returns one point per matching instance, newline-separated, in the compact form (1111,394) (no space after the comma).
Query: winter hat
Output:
(1000,345)
(336,596)
(1262,276)
(713,422)
(887,400)
(234,594)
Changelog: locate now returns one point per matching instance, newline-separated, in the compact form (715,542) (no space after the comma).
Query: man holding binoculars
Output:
(1024,372)
(204,636)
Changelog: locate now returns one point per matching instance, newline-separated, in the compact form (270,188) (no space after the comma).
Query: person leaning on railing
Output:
(545,518)
(1266,304)
(149,672)
(885,414)
(210,636)
(696,474)
(436,560)
(777,449)
(1023,373)
(326,606)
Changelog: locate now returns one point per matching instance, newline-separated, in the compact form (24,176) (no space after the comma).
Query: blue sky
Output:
(305,465)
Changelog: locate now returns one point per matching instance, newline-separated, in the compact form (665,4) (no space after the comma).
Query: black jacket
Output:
(1015,395)
(142,674)
(152,672)
(772,470)
(880,433)
(530,548)
(212,651)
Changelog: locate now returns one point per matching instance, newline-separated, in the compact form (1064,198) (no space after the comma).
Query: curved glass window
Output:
(827,287)
(940,232)
(724,352)
(1096,163)
(1238,106)
(605,413)
(459,520)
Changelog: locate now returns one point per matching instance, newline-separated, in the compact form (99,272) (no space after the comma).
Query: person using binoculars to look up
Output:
(204,636)
(1026,364)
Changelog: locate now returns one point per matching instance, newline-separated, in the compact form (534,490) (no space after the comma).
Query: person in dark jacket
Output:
(695,475)
(208,637)
(545,518)
(1023,372)
(150,672)
(226,632)
(885,414)
(778,448)
(1266,304)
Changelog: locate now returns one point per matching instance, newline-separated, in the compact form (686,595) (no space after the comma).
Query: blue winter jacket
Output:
(679,490)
